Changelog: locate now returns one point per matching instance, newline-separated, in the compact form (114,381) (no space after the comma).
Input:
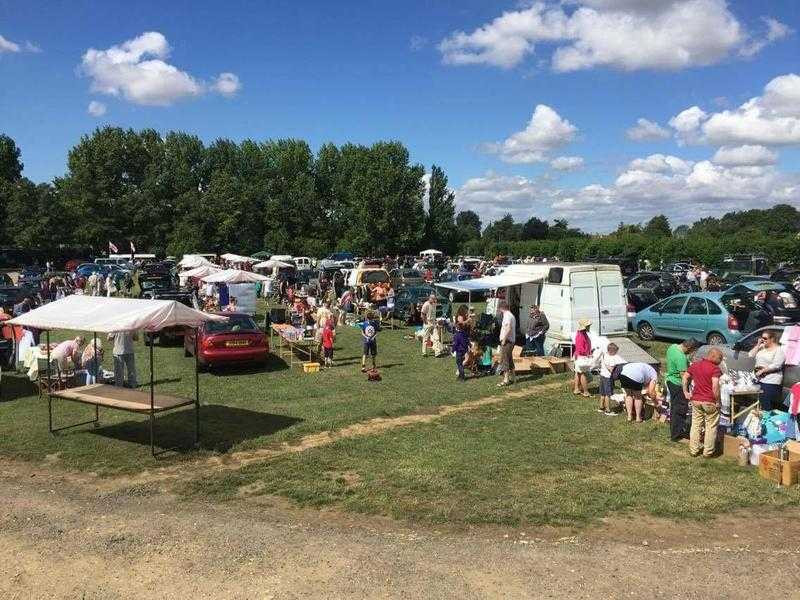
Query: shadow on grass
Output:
(221,428)
(16,387)
(272,364)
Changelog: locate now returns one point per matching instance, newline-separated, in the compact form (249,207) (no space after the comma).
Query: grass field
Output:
(545,457)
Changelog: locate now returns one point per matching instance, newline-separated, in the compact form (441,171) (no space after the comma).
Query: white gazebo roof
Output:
(234,276)
(107,315)
(236,258)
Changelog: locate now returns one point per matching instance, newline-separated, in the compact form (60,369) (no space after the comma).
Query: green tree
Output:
(468,226)
(503,230)
(10,165)
(440,227)
(535,229)
(658,226)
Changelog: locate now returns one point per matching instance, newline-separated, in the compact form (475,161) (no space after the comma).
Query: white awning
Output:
(192,261)
(430,251)
(489,283)
(272,264)
(234,276)
(201,271)
(106,315)
(237,258)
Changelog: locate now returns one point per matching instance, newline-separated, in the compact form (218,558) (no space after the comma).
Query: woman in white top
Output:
(769,369)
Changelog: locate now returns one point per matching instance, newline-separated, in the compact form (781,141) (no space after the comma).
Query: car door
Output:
(664,321)
(693,321)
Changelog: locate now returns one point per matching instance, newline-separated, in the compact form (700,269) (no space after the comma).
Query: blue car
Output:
(707,316)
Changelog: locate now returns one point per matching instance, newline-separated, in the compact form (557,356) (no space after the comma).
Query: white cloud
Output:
(7,45)
(621,34)
(96,109)
(647,131)
(742,156)
(775,31)
(227,84)
(137,70)
(545,132)
(772,119)
(684,190)
(567,163)
(417,42)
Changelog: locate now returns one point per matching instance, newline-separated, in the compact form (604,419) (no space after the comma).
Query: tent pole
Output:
(97,371)
(152,402)
(196,389)
(49,384)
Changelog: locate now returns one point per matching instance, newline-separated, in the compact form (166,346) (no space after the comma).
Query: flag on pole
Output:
(112,248)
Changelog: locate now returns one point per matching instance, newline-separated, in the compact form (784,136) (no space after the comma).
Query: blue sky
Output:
(365,71)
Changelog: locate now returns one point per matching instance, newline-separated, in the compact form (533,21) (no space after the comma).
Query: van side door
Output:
(613,307)
(583,286)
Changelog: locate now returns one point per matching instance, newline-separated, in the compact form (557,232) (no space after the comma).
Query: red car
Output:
(234,341)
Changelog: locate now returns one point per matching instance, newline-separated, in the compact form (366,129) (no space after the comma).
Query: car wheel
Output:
(716,339)
(645,331)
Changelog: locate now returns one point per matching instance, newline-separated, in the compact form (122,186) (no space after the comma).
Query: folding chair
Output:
(52,383)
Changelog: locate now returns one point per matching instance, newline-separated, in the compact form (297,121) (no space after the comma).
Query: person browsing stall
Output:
(582,356)
(677,364)
(429,333)
(769,369)
(635,378)
(508,336)
(538,325)
(607,361)
(705,398)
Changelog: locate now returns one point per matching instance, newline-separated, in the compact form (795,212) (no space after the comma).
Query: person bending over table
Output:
(634,378)
(69,350)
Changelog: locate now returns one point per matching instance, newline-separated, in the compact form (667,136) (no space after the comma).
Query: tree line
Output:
(174,194)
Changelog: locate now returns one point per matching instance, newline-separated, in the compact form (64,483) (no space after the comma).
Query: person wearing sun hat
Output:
(582,357)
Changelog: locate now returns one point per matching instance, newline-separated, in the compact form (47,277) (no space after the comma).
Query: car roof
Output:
(760,285)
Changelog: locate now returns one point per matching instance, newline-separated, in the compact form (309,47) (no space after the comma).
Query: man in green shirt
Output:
(677,363)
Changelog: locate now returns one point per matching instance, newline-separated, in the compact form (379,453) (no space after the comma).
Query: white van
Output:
(303,263)
(565,292)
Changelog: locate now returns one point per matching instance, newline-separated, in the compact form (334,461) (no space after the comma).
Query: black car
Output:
(786,273)
(662,283)
(162,287)
(11,295)
(782,301)
(417,295)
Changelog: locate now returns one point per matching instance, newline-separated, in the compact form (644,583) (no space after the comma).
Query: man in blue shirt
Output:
(369,334)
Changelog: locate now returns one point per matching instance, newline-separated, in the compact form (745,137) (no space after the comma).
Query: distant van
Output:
(565,292)
(303,263)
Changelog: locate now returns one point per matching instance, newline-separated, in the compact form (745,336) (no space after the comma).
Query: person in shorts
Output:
(369,339)
(606,361)
(328,336)
(634,378)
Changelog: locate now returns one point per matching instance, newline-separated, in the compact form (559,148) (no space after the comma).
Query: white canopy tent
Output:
(110,315)
(273,264)
(237,258)
(113,315)
(198,272)
(192,261)
(234,276)
(430,252)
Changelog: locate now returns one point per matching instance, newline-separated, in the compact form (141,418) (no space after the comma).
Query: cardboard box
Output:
(783,472)
(730,446)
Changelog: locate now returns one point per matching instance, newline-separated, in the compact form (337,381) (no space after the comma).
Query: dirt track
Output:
(61,537)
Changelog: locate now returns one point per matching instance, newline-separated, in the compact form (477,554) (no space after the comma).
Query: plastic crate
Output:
(311,367)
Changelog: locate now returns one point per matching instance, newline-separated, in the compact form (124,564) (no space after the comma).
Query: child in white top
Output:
(606,361)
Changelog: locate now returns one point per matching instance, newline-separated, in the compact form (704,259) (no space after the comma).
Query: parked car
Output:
(237,340)
(703,315)
(662,283)
(162,287)
(11,295)
(788,272)
(405,277)
(639,299)
(782,311)
(456,295)
(407,296)
(736,357)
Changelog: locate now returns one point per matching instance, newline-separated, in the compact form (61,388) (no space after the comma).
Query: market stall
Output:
(98,314)
(192,261)
(241,285)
